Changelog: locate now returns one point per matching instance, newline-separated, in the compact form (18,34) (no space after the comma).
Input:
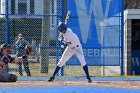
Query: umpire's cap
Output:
(62,26)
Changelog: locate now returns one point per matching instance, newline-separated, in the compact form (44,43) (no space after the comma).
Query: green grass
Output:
(34,68)
(69,71)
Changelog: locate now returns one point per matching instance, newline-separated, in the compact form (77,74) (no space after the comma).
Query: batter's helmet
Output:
(62,26)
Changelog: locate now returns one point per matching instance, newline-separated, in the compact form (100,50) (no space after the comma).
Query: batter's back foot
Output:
(51,79)
(89,80)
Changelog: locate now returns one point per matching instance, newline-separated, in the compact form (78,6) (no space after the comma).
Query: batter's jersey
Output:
(70,36)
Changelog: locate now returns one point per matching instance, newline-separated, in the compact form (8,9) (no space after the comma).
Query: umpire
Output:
(20,46)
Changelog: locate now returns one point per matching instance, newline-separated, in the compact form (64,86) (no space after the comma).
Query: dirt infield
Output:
(116,84)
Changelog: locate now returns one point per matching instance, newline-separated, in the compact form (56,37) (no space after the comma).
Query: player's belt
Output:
(75,46)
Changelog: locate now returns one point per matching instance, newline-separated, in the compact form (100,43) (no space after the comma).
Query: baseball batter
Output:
(73,46)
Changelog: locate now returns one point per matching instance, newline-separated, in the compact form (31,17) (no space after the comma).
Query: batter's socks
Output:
(56,70)
(85,68)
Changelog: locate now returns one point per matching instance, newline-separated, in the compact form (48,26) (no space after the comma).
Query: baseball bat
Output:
(67,16)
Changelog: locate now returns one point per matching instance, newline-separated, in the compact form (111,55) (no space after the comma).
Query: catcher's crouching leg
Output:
(12,78)
(8,78)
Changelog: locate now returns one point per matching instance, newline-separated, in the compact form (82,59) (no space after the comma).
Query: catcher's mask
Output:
(4,46)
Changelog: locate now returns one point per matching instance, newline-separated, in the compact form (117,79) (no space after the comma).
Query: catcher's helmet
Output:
(5,46)
(62,26)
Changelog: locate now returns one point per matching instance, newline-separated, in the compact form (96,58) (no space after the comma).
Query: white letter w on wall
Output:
(85,16)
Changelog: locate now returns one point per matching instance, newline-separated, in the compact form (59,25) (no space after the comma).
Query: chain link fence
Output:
(37,20)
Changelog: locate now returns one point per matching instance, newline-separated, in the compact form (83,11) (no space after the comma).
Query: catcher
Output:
(5,59)
(23,49)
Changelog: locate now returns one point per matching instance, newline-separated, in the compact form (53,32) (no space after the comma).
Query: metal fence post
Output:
(6,22)
(45,38)
(122,35)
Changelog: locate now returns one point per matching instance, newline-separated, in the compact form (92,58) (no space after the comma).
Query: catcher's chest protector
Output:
(6,77)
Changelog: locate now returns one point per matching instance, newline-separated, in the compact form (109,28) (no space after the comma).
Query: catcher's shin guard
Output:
(51,79)
(8,78)
(12,78)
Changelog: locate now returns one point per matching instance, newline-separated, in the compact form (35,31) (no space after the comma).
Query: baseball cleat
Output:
(51,79)
(89,80)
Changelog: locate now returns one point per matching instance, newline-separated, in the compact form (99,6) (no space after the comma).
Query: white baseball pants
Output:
(67,54)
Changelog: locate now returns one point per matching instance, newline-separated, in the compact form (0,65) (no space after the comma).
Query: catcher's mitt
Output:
(28,50)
